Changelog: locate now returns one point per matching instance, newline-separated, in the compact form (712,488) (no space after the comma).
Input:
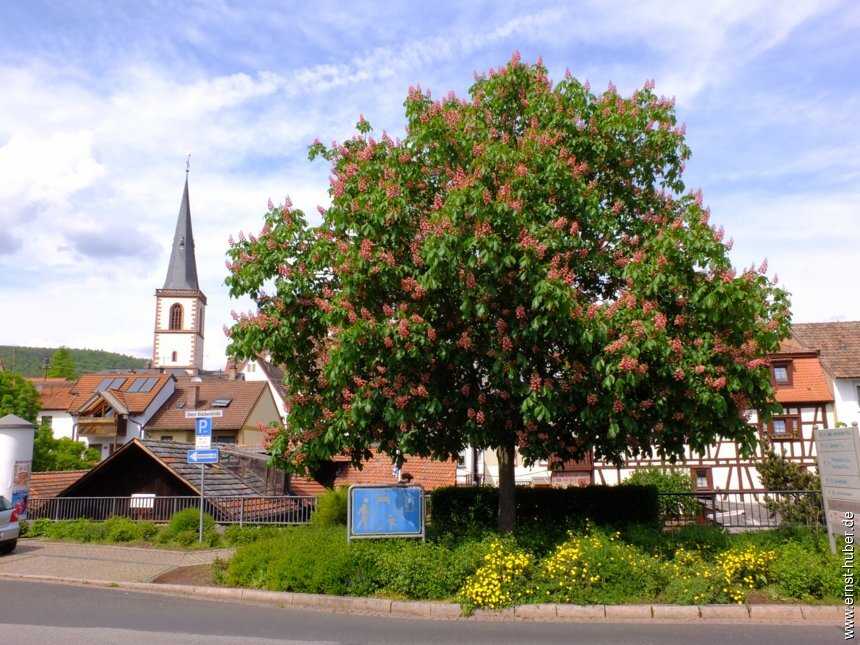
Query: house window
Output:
(173,356)
(176,316)
(702,479)
(224,438)
(47,421)
(781,373)
(784,427)
(167,437)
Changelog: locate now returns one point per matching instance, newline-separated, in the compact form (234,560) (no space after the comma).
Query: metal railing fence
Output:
(733,510)
(225,510)
(744,510)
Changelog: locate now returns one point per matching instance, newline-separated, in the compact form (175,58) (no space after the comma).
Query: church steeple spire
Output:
(182,270)
(180,305)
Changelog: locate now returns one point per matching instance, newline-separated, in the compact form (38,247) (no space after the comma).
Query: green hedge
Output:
(458,509)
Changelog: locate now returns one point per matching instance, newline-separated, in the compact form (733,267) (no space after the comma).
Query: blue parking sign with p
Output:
(203,427)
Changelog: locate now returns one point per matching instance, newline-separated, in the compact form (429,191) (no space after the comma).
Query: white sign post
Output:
(202,441)
(838,452)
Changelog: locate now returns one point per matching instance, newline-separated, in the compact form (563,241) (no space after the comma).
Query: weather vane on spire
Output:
(188,163)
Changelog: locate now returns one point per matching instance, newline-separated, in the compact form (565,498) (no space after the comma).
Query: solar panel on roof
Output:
(116,383)
(136,385)
(148,385)
(105,383)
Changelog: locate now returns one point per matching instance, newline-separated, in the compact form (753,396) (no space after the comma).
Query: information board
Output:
(381,511)
(838,451)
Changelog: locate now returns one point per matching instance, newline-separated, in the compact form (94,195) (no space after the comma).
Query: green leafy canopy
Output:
(18,396)
(523,269)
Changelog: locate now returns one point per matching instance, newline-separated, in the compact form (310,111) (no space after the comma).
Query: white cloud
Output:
(48,170)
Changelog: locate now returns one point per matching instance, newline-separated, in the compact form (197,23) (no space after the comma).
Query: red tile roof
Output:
(808,382)
(243,397)
(49,484)
(309,487)
(136,402)
(837,342)
(56,396)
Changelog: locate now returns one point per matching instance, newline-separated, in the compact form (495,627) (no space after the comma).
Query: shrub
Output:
(422,570)
(778,473)
(39,528)
(332,508)
(461,509)
(188,519)
(235,535)
(690,580)
(78,530)
(597,567)
(501,581)
(121,529)
(803,574)
(667,480)
(744,568)
(300,559)
(707,540)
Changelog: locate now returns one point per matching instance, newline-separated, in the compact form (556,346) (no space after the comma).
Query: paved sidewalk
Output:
(98,562)
(133,568)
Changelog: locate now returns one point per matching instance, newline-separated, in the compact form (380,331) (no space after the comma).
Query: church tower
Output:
(180,305)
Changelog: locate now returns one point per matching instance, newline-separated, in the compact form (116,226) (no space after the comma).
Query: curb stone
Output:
(675,612)
(626,612)
(581,612)
(734,612)
(785,614)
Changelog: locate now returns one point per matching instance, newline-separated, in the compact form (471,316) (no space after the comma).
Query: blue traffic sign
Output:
(203,426)
(386,511)
(203,456)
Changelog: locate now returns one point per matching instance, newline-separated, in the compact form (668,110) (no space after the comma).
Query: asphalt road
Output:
(40,613)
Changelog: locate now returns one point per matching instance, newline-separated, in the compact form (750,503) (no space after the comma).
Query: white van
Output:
(9,527)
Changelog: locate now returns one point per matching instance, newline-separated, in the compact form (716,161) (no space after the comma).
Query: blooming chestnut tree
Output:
(522,272)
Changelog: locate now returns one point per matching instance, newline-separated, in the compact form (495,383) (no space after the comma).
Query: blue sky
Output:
(101,101)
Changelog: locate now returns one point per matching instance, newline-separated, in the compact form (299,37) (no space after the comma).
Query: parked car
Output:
(9,527)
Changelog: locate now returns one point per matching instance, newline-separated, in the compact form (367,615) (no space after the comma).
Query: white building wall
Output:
(846,392)
(62,423)
(537,475)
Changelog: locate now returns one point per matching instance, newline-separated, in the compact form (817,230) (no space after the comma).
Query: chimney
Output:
(193,397)
(232,371)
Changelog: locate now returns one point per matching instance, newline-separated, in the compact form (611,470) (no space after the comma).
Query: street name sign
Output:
(203,456)
(199,414)
(381,511)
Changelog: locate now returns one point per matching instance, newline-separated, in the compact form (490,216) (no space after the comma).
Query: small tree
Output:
(523,272)
(50,454)
(777,473)
(62,365)
(18,396)
(667,480)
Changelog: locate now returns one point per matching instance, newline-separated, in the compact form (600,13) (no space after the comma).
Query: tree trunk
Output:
(507,494)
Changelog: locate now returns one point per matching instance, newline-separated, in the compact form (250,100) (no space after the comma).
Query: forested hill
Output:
(29,361)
